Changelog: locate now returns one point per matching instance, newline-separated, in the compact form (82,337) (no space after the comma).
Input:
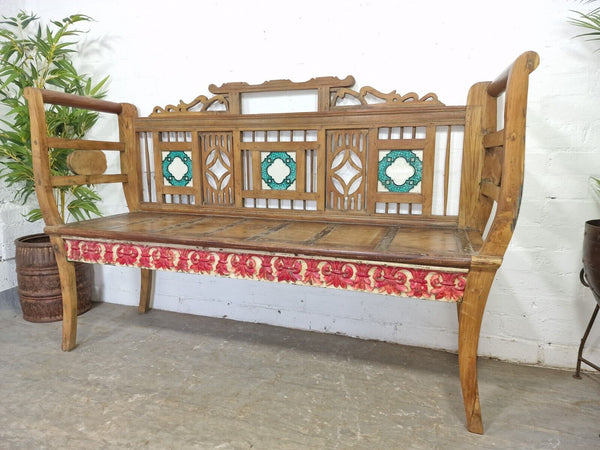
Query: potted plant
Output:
(590,274)
(42,56)
(589,22)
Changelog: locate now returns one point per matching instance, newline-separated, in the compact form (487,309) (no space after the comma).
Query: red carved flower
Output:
(73,251)
(162,258)
(109,257)
(362,279)
(312,274)
(338,274)
(92,251)
(288,269)
(182,263)
(222,268)
(202,262)
(266,270)
(127,254)
(390,280)
(444,285)
(145,258)
(243,265)
(418,283)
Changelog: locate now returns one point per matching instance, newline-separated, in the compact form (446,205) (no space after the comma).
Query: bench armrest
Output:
(494,155)
(88,152)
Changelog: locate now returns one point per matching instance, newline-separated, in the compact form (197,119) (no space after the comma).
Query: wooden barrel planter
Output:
(40,294)
(591,256)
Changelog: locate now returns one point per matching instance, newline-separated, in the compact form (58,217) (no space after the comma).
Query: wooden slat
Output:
(371,171)
(81,144)
(146,156)
(275,194)
(279,146)
(494,139)
(256,171)
(427,174)
(434,115)
(401,144)
(393,197)
(71,180)
(179,190)
(447,169)
(238,169)
(321,170)
(173,146)
(490,190)
(309,215)
(301,171)
(158,174)
(197,169)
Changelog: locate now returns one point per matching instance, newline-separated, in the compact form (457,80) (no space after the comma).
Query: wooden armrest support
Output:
(530,61)
(78,101)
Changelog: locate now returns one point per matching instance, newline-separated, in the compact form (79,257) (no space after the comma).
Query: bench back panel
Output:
(400,156)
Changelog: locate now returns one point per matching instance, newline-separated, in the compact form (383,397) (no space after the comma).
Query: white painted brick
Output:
(12,226)
(8,275)
(511,349)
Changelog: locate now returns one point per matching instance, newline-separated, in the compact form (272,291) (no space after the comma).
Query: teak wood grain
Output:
(360,193)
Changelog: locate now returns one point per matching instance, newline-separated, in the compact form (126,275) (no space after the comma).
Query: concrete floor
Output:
(173,381)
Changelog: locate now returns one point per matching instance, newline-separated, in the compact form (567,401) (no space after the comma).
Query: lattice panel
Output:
(177,167)
(417,170)
(401,178)
(387,170)
(280,169)
(346,169)
(217,173)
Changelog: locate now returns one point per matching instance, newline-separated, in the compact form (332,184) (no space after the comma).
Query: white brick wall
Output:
(537,309)
(12,225)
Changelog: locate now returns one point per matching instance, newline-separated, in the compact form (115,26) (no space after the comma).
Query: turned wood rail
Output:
(396,194)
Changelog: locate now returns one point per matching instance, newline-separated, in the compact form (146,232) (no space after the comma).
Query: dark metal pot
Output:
(591,257)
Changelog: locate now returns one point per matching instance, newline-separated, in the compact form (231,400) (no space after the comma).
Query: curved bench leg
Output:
(470,314)
(147,283)
(68,284)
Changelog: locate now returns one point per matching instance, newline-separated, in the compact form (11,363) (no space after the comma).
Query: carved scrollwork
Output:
(381,99)
(199,104)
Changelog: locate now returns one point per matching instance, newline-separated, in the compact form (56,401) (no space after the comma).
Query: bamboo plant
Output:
(42,56)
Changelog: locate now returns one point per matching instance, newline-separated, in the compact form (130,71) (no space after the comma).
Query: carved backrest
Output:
(359,153)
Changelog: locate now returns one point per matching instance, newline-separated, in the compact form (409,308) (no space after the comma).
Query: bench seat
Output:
(445,246)
(405,260)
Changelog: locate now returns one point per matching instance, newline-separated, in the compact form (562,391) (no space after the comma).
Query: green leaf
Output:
(32,54)
(34,215)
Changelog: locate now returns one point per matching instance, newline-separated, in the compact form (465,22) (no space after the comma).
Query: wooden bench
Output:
(364,193)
